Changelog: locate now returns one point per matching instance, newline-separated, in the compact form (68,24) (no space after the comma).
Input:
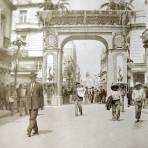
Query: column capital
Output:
(60,50)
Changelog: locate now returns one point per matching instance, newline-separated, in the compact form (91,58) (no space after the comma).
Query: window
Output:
(23,16)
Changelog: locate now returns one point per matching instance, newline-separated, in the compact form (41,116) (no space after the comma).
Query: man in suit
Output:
(34,102)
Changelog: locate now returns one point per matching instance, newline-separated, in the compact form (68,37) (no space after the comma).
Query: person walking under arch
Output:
(79,94)
(138,96)
(116,96)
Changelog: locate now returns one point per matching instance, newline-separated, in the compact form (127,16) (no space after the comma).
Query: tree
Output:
(120,5)
(63,4)
(49,5)
(125,7)
(110,5)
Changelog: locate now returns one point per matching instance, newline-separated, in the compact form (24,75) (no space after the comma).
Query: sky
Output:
(88,55)
(90,4)
(95,4)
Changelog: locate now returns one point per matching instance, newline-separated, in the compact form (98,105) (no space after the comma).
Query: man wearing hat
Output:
(34,102)
(138,96)
(116,96)
(78,98)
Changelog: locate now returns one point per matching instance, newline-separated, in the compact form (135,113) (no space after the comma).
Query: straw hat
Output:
(137,84)
(145,86)
(114,86)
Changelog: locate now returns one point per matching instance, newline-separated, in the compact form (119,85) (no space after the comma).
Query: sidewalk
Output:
(4,113)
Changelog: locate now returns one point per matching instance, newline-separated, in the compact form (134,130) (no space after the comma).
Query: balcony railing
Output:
(81,17)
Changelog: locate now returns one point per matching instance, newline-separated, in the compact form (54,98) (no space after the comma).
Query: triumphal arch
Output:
(105,26)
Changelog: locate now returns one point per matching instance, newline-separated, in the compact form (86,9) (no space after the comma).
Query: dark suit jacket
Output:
(35,99)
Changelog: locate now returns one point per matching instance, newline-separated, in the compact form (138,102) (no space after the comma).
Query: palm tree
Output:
(125,7)
(127,13)
(49,5)
(63,4)
(121,5)
(110,5)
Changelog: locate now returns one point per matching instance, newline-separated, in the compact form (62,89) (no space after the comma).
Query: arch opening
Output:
(84,59)
(84,37)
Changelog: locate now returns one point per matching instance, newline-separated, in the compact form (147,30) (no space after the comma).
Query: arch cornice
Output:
(68,38)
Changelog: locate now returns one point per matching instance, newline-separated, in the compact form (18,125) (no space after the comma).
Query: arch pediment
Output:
(79,17)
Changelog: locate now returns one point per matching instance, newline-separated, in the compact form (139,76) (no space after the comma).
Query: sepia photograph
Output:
(73,73)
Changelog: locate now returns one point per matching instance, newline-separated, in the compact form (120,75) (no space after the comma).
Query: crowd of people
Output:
(24,99)
(90,95)
(94,95)
(29,98)
(136,96)
(13,99)
(87,95)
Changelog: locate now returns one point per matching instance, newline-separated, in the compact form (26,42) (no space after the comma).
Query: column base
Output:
(57,101)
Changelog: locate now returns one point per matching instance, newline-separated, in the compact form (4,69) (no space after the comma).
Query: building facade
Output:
(6,8)
(136,60)
(137,51)
(25,25)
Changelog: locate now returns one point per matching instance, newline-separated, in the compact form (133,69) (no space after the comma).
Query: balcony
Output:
(27,26)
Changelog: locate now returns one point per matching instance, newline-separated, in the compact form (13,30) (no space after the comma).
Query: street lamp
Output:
(19,43)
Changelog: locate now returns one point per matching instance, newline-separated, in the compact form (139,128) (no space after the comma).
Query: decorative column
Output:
(51,48)
(59,78)
(120,55)
(44,68)
(110,72)
(145,42)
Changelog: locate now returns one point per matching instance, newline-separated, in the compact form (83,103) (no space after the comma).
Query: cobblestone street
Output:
(59,128)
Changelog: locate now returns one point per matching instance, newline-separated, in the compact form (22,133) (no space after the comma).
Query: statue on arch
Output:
(50,75)
(120,75)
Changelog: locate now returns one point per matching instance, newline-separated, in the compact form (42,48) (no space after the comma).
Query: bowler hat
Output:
(114,86)
(77,83)
(33,74)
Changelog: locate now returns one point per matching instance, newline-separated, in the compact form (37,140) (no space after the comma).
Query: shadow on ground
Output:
(9,119)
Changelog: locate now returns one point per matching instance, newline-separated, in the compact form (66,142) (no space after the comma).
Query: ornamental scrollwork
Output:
(119,41)
(50,39)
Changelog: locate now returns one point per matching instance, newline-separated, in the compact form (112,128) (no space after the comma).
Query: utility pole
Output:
(19,43)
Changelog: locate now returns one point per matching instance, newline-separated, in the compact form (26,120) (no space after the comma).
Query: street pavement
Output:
(4,113)
(59,128)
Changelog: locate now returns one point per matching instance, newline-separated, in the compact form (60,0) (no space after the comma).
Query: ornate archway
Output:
(103,26)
